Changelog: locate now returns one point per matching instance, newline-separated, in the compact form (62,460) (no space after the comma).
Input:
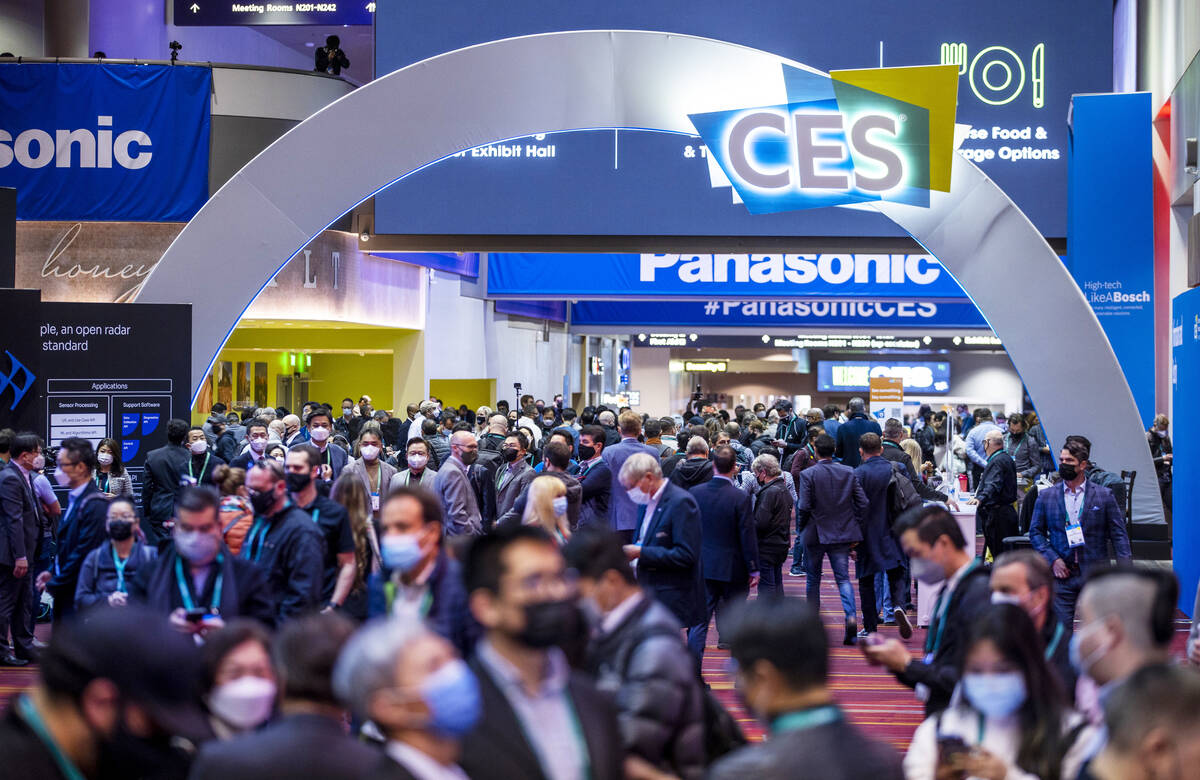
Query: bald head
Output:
(464,446)
(498,424)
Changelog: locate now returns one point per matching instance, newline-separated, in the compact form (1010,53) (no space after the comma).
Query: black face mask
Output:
(586,452)
(548,623)
(509,454)
(469,458)
(1068,471)
(262,501)
(297,482)
(120,530)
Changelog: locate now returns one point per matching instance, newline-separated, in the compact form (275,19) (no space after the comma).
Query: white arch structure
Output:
(553,82)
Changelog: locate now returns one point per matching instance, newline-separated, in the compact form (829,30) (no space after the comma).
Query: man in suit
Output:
(18,543)
(852,430)
(164,467)
(514,474)
(996,494)
(1073,524)
(667,539)
(333,458)
(624,512)
(830,507)
(308,739)
(782,653)
(228,587)
(83,526)
(935,546)
(204,459)
(257,437)
(556,458)
(880,552)
(541,720)
(595,478)
(453,486)
(285,542)
(729,548)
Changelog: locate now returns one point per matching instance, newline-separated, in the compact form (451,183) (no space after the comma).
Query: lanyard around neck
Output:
(806,719)
(120,565)
(933,643)
(32,719)
(203,468)
(185,592)
(1050,648)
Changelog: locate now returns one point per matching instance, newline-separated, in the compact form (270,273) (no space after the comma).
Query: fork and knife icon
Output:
(982,69)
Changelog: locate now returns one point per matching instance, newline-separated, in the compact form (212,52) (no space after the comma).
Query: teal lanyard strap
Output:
(258,532)
(1050,648)
(982,726)
(34,721)
(806,719)
(203,468)
(932,644)
(185,592)
(120,565)
(316,515)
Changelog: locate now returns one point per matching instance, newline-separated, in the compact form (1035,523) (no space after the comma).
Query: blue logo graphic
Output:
(16,368)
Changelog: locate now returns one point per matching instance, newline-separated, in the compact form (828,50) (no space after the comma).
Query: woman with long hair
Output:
(351,492)
(369,466)
(1008,719)
(111,477)
(547,507)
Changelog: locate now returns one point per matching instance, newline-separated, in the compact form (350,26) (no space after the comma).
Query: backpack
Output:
(722,734)
(902,494)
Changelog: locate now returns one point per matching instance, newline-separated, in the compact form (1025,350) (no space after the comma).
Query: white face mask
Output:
(319,434)
(105,458)
(417,461)
(199,447)
(1006,598)
(243,703)
(61,477)
(369,451)
(258,445)
(39,463)
(638,496)
(560,505)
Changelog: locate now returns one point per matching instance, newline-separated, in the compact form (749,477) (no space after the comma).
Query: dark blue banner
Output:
(780,314)
(461,263)
(1185,489)
(105,142)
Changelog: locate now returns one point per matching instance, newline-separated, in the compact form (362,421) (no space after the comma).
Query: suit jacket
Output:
(81,530)
(597,485)
(831,504)
(336,457)
(19,514)
(243,588)
(729,544)
(510,483)
(893,453)
(833,751)
(998,482)
(498,750)
(163,483)
(454,489)
(670,565)
(848,435)
(293,746)
(1101,520)
(624,513)
(574,499)
(879,551)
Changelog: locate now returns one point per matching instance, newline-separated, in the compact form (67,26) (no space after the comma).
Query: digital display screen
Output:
(1019,62)
(925,378)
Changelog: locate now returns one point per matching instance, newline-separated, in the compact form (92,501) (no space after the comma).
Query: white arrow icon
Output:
(370,8)
(194,7)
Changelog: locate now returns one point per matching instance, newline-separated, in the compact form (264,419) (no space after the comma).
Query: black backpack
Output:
(902,494)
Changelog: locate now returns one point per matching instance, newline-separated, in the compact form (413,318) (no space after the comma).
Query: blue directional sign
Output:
(225,13)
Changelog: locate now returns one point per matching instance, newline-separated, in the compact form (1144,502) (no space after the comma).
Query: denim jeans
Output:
(770,580)
(839,561)
(1066,594)
(883,597)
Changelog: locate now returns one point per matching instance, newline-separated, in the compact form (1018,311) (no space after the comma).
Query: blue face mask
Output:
(452,695)
(995,695)
(400,552)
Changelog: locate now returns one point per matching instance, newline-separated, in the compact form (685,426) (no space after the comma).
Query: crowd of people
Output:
(527,593)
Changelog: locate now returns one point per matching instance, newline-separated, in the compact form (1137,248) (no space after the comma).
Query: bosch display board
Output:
(1019,63)
(224,13)
(846,375)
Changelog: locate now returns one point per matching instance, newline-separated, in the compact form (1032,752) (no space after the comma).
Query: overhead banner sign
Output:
(213,13)
(780,314)
(923,377)
(105,142)
(539,275)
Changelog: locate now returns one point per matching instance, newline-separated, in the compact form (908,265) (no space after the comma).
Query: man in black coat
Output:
(308,739)
(666,539)
(594,477)
(537,712)
(852,430)
(285,542)
(996,494)
(303,466)
(880,552)
(203,461)
(18,543)
(934,543)
(729,548)
(893,434)
(82,527)
(197,573)
(696,469)
(163,481)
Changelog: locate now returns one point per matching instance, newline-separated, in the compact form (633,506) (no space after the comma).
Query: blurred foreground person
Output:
(1154,727)
(115,697)
(309,739)
(412,685)
(781,655)
(239,685)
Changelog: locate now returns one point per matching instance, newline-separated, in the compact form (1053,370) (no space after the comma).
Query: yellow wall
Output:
(472,392)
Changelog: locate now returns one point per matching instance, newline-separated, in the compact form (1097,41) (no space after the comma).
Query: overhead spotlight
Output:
(364,236)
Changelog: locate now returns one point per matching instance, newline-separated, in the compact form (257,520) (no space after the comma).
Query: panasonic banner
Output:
(105,142)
